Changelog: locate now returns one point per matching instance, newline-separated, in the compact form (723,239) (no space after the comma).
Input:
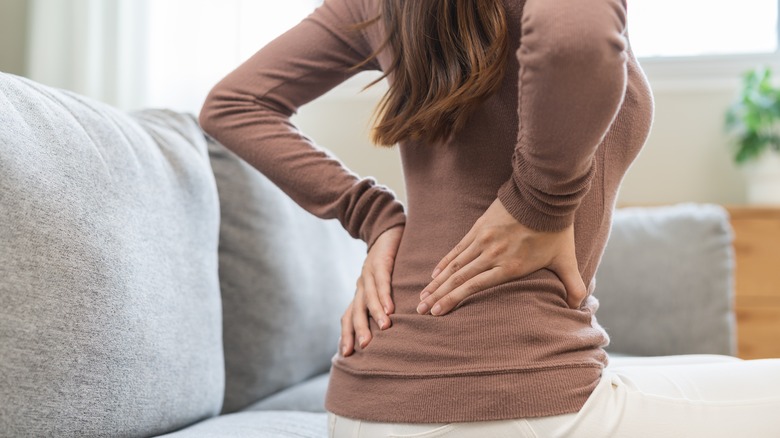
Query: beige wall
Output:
(342,125)
(685,159)
(13,18)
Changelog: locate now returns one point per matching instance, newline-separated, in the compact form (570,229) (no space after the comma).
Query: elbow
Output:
(208,118)
(591,51)
(224,106)
(229,107)
(586,35)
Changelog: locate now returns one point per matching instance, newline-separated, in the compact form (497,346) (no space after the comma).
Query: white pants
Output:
(686,396)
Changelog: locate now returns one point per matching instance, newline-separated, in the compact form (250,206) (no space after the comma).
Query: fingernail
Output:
(436,309)
(425,295)
(435,272)
(382,323)
(361,341)
(344,350)
(385,307)
(422,308)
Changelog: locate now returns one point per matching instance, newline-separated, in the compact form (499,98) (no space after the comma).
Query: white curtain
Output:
(150,53)
(93,47)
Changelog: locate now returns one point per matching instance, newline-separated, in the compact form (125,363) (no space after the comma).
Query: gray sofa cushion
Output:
(665,283)
(308,396)
(266,424)
(110,319)
(286,277)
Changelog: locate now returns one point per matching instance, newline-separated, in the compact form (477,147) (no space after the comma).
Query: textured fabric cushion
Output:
(110,319)
(665,283)
(308,396)
(266,424)
(286,277)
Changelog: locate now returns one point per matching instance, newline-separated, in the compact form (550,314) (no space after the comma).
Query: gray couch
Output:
(152,283)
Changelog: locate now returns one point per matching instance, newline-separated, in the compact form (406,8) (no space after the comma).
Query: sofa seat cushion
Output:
(110,317)
(259,424)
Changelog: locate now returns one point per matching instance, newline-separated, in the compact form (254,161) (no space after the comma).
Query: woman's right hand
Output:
(372,295)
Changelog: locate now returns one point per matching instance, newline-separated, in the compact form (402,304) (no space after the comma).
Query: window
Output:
(702,27)
(192,44)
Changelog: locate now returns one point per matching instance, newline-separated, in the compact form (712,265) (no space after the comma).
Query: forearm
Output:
(572,82)
(250,110)
(314,178)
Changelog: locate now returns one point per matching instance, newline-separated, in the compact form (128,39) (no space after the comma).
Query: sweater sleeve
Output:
(249,112)
(572,82)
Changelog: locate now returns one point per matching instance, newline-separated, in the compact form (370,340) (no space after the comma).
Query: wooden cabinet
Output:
(757,279)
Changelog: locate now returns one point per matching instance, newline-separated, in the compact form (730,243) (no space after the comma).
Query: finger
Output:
(347,341)
(372,301)
(382,281)
(569,273)
(463,259)
(460,277)
(484,280)
(360,319)
(464,243)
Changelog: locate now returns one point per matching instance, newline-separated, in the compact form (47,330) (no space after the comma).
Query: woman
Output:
(474,314)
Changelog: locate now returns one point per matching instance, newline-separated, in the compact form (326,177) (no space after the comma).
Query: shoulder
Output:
(351,10)
(339,17)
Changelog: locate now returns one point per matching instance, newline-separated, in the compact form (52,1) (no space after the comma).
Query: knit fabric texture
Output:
(553,144)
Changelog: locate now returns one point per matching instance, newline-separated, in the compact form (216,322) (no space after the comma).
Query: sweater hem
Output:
(462,398)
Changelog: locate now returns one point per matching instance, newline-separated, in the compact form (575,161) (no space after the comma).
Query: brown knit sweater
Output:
(553,144)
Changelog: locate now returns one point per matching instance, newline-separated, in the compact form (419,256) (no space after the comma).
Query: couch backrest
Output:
(666,281)
(286,275)
(110,318)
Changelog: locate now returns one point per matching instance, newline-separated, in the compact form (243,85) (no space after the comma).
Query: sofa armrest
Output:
(666,281)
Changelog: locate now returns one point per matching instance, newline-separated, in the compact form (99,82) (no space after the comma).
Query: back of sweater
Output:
(553,144)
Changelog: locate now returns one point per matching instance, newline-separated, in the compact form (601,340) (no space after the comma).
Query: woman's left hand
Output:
(497,249)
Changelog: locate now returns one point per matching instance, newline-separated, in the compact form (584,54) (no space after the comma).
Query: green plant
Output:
(753,120)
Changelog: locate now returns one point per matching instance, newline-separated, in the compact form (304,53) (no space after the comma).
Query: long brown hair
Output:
(448,57)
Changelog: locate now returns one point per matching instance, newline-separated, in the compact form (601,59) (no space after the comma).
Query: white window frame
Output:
(706,72)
